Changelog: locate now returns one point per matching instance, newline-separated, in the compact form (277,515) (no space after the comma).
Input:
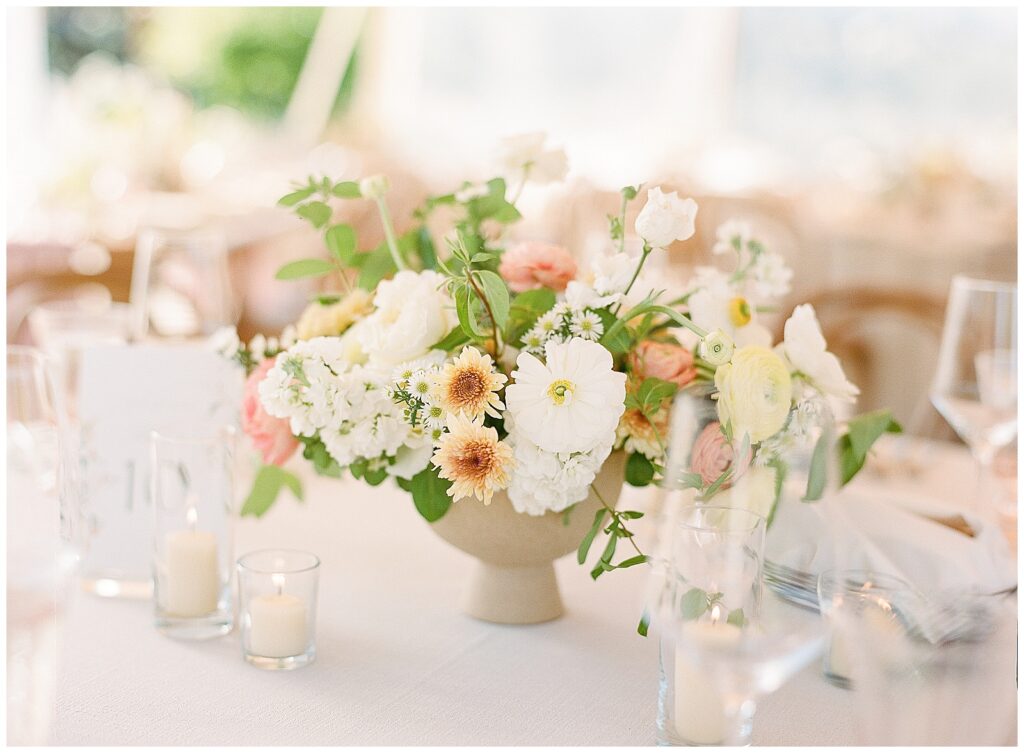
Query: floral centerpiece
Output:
(492,370)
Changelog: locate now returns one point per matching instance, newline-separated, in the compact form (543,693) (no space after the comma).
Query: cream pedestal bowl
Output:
(514,581)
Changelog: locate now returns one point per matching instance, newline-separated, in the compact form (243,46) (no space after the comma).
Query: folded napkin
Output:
(890,532)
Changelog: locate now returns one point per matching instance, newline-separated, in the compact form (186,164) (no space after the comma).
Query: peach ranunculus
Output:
(667,361)
(271,436)
(537,265)
(712,453)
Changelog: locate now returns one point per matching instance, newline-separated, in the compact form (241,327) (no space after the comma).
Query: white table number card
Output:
(125,392)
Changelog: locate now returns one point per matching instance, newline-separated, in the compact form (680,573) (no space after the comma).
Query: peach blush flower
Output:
(712,453)
(537,265)
(271,436)
(472,458)
(637,433)
(667,361)
(469,385)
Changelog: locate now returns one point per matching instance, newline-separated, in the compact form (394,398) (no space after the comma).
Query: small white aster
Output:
(550,322)
(434,417)
(587,325)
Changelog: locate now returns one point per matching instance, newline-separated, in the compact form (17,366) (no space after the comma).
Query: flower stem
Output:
(498,345)
(618,518)
(389,234)
(622,225)
(636,273)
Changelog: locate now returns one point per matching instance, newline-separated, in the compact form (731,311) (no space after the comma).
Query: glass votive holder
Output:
(844,596)
(277,596)
(192,485)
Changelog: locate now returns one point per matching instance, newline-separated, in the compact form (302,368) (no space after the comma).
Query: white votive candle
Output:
(192,578)
(277,624)
(700,713)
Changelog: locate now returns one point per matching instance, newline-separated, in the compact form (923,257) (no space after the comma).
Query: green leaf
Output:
(862,432)
(497,295)
(716,485)
(535,302)
(693,604)
(451,341)
(639,470)
(780,478)
(651,393)
(328,299)
(293,198)
(341,242)
(430,494)
(645,622)
(375,266)
(691,481)
(316,212)
(606,558)
(304,268)
(817,475)
(467,319)
(347,189)
(425,249)
(268,484)
(638,559)
(584,548)
(737,618)
(375,477)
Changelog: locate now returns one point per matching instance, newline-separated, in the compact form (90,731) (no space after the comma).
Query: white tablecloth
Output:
(398,663)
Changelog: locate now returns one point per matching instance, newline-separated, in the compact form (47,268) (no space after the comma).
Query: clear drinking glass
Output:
(181,286)
(41,542)
(709,593)
(192,483)
(849,590)
(63,329)
(975,385)
(277,596)
(931,669)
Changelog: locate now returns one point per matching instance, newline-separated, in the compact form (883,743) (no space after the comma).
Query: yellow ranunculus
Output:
(754,393)
(753,491)
(325,321)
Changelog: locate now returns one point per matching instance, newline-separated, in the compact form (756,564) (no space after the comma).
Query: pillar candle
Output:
(192,579)
(277,625)
(699,712)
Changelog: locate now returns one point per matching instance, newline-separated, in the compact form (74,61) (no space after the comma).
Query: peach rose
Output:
(712,453)
(537,265)
(667,361)
(271,436)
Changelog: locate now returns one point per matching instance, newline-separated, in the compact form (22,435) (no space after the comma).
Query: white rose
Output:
(374,186)
(666,218)
(412,313)
(805,349)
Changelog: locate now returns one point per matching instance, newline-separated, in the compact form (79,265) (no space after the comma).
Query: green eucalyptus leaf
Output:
(693,604)
(817,475)
(304,268)
(584,548)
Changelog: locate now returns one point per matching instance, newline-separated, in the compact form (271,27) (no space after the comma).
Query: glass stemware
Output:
(41,543)
(975,385)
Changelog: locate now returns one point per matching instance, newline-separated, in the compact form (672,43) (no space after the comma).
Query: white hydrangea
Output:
(551,482)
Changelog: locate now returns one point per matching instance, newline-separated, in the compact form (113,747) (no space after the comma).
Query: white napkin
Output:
(885,531)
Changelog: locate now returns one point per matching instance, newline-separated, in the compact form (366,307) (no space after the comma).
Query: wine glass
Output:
(181,285)
(975,385)
(41,551)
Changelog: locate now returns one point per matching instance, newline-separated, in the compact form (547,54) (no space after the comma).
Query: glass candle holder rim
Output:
(246,562)
(181,236)
(980,283)
(756,519)
(871,579)
(78,307)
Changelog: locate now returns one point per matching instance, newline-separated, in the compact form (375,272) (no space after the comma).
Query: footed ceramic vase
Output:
(513,581)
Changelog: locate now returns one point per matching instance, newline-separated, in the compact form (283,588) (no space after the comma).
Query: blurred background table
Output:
(399,664)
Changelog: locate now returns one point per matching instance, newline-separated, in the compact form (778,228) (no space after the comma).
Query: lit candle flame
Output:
(191,517)
(716,614)
(278,579)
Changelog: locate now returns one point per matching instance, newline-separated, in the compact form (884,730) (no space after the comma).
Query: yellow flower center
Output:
(739,311)
(561,390)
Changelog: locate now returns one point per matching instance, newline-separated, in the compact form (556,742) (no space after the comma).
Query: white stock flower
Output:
(579,295)
(524,157)
(412,313)
(769,276)
(805,348)
(666,218)
(258,346)
(612,272)
(550,482)
(374,186)
(224,342)
(573,402)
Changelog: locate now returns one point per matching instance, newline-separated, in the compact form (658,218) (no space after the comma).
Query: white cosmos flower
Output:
(717,305)
(525,156)
(412,313)
(666,218)
(805,348)
(573,402)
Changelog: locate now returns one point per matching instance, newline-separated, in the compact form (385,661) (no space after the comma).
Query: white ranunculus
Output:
(571,403)
(666,218)
(374,186)
(805,348)
(716,347)
(412,312)
(525,155)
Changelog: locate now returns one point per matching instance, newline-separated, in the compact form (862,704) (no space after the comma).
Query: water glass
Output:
(41,542)
(192,484)
(277,598)
(181,285)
